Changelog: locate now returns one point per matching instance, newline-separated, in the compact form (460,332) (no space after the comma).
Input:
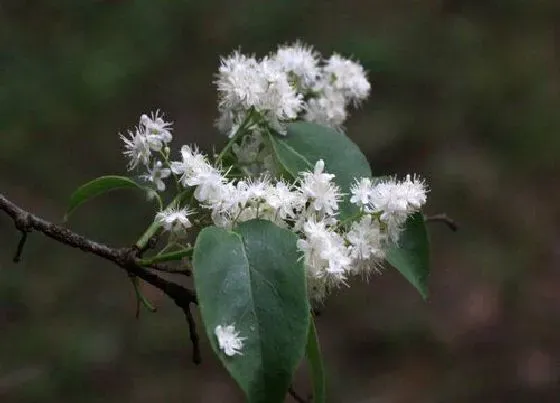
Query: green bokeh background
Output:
(465,93)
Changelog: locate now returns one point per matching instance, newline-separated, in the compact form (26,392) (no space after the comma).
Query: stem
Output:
(350,219)
(140,298)
(236,136)
(147,235)
(166,257)
(165,157)
(154,227)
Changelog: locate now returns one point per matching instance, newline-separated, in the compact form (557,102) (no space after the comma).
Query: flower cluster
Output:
(292,83)
(332,250)
(256,96)
(152,135)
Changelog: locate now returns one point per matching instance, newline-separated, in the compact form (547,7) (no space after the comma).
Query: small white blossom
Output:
(366,239)
(245,83)
(238,82)
(320,189)
(137,149)
(279,101)
(174,219)
(328,109)
(392,197)
(229,340)
(325,254)
(361,191)
(210,186)
(156,130)
(396,200)
(196,171)
(156,174)
(252,190)
(285,200)
(348,77)
(299,60)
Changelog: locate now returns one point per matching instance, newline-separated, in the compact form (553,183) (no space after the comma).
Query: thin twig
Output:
(196,356)
(296,396)
(452,224)
(21,244)
(127,259)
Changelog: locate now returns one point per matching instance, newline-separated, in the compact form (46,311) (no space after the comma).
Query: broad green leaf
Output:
(412,256)
(305,143)
(96,187)
(313,353)
(253,278)
(290,159)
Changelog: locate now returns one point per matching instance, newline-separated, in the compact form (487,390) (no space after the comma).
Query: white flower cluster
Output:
(332,249)
(256,96)
(150,136)
(294,82)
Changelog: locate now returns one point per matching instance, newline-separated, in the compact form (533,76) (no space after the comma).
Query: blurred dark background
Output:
(465,93)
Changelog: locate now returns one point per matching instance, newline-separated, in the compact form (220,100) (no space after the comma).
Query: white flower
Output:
(327,109)
(174,219)
(156,130)
(226,199)
(348,77)
(278,101)
(245,83)
(210,186)
(299,60)
(150,135)
(229,340)
(285,200)
(320,189)
(396,200)
(361,191)
(252,190)
(196,171)
(325,254)
(137,149)
(156,175)
(366,239)
(392,197)
(238,82)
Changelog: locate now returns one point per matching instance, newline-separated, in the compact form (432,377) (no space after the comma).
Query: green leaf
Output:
(96,187)
(253,278)
(412,256)
(313,353)
(305,143)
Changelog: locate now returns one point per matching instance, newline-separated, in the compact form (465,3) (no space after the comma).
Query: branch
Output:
(126,258)
(452,224)
(296,396)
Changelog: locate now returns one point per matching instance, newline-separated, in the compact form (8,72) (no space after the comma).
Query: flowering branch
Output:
(286,212)
(128,259)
